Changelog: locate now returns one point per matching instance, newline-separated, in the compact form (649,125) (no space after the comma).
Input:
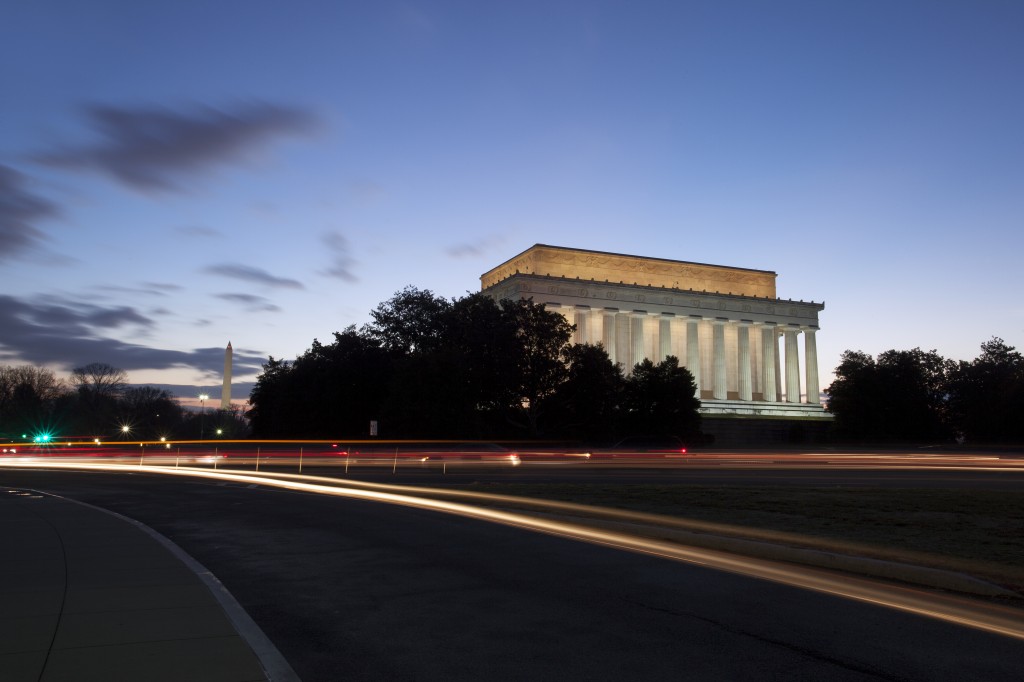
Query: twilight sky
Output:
(175,175)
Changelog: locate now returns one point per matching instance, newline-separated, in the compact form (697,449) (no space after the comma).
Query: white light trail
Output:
(964,612)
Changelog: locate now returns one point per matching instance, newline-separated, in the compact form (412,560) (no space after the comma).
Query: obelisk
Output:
(225,393)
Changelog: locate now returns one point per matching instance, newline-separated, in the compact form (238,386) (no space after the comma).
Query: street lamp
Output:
(202,413)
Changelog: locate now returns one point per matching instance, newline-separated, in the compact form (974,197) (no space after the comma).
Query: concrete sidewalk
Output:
(89,595)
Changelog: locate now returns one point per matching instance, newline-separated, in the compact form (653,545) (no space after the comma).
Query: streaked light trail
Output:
(964,612)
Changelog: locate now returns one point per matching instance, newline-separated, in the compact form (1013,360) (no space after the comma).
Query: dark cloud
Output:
(65,335)
(253,304)
(475,249)
(247,273)
(342,261)
(77,317)
(158,149)
(20,210)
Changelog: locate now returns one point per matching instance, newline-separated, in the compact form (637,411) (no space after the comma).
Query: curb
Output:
(275,666)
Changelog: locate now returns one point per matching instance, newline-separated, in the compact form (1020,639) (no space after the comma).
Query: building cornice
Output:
(585,286)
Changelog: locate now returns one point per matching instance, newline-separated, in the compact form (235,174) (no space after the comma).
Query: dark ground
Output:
(360,590)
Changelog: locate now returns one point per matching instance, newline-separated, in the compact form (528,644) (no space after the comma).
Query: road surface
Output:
(360,590)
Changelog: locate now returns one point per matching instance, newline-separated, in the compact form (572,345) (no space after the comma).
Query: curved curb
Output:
(274,663)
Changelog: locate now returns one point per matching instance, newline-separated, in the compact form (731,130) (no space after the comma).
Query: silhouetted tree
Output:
(901,397)
(100,379)
(586,406)
(485,340)
(150,412)
(272,409)
(28,398)
(413,320)
(469,368)
(429,397)
(660,400)
(541,337)
(329,391)
(98,389)
(986,395)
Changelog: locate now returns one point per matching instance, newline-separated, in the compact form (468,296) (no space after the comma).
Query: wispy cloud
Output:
(254,304)
(145,291)
(342,262)
(163,286)
(68,333)
(20,210)
(255,275)
(474,249)
(159,149)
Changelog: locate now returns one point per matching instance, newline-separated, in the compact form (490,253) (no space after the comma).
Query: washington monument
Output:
(225,393)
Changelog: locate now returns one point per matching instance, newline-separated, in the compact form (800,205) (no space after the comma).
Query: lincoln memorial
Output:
(752,353)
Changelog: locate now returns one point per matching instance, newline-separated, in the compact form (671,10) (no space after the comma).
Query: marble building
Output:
(752,353)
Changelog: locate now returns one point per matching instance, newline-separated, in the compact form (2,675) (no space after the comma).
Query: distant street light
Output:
(202,414)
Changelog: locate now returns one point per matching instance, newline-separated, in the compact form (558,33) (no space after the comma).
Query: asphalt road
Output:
(365,591)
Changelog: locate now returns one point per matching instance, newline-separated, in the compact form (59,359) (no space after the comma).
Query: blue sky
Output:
(175,175)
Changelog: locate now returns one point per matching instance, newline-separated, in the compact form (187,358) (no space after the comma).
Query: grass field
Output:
(980,533)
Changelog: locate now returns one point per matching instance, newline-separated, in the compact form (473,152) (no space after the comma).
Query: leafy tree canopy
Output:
(660,400)
(468,368)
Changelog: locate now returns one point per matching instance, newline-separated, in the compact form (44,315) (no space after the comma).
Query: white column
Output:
(811,359)
(624,352)
(693,351)
(768,346)
(792,367)
(608,333)
(744,379)
(718,348)
(581,318)
(636,337)
(664,337)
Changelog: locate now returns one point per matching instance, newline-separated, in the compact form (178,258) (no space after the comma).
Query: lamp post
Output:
(202,413)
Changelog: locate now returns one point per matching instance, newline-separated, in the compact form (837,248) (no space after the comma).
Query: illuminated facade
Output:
(751,352)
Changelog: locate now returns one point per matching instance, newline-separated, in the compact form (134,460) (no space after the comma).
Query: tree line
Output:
(919,396)
(97,402)
(427,367)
